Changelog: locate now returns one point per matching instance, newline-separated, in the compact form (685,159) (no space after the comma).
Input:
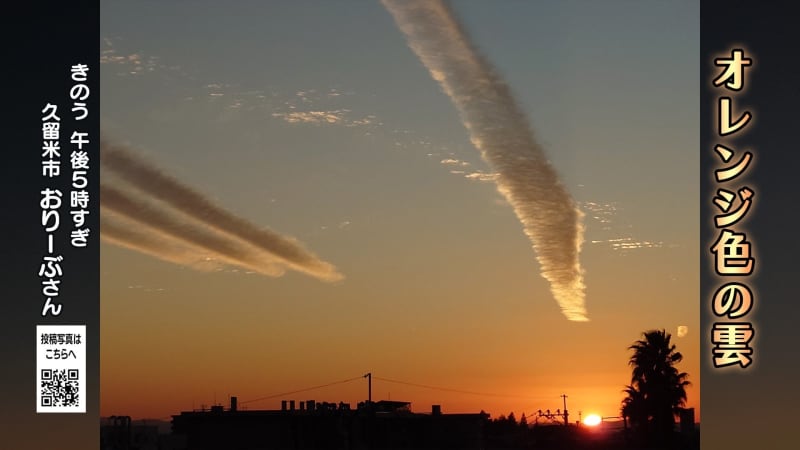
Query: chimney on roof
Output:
(283,405)
(436,410)
(291,405)
(311,405)
(234,403)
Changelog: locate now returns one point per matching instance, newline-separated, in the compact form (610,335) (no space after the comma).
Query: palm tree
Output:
(657,390)
(633,410)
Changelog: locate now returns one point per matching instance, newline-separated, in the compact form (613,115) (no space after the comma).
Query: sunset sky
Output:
(316,120)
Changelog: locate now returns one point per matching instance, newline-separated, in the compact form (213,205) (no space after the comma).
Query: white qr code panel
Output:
(61,368)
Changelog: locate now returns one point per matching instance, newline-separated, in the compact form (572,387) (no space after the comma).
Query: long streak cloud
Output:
(500,130)
(154,213)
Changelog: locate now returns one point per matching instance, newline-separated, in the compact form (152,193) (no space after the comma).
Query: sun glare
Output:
(592,420)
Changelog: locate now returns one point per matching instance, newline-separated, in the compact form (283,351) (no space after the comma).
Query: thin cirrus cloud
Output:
(613,230)
(481,176)
(499,129)
(314,107)
(330,117)
(131,64)
(628,243)
(454,162)
(154,213)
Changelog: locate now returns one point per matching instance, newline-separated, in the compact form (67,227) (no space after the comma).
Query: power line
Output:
(302,390)
(460,391)
(389,380)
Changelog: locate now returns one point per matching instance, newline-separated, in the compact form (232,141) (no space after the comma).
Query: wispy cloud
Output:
(131,234)
(628,243)
(607,226)
(331,117)
(130,64)
(601,212)
(454,162)
(499,129)
(195,229)
(321,107)
(481,176)
(311,116)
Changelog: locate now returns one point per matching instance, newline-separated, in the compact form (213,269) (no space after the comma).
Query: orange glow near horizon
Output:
(178,349)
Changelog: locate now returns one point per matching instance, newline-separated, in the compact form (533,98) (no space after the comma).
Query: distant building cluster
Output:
(120,433)
(322,425)
(382,425)
(302,425)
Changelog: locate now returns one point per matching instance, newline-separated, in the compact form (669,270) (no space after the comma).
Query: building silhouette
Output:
(121,433)
(312,425)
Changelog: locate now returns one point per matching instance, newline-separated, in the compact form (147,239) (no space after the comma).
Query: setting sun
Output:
(592,420)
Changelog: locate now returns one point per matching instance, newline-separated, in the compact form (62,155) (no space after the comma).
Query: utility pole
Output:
(368,376)
(553,417)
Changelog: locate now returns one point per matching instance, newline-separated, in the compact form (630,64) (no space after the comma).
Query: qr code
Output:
(60,387)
